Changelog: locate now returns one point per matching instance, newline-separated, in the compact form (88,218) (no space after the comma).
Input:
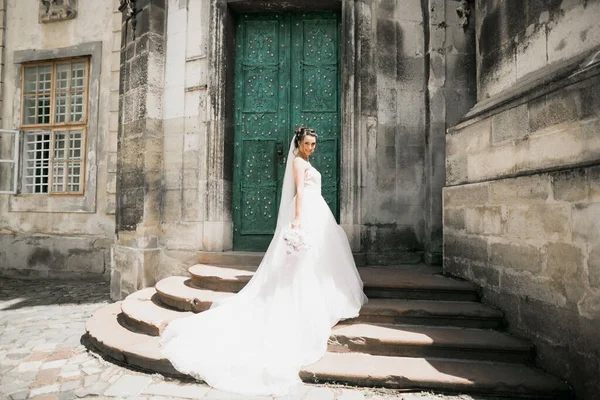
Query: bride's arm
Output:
(299,168)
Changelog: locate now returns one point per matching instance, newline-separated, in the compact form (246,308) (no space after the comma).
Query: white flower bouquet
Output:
(295,239)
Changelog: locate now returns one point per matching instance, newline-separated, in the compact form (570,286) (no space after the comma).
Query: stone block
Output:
(575,31)
(557,108)
(456,267)
(522,190)
(470,139)
(217,236)
(548,322)
(571,186)
(586,223)
(552,357)
(564,264)
(507,302)
(111,183)
(495,163)
(456,170)
(476,194)
(483,220)
(386,167)
(115,285)
(537,221)
(485,276)
(531,51)
(594,182)
(92,261)
(497,70)
(469,247)
(454,218)
(511,124)
(519,257)
(535,287)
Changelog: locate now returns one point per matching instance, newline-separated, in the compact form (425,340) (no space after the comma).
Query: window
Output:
(54,125)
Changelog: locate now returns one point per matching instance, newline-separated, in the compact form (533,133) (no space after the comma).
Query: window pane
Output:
(58,177)
(43,110)
(29,107)
(75,144)
(60,144)
(60,111)
(74,177)
(30,78)
(37,160)
(76,107)
(78,80)
(44,78)
(62,77)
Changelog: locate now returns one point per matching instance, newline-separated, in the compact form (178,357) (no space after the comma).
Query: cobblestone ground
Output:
(42,356)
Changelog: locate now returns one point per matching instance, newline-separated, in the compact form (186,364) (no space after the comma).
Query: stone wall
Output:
(45,236)
(139,177)
(516,38)
(522,212)
(393,159)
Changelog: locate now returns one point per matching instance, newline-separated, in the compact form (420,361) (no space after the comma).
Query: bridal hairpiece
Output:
(295,239)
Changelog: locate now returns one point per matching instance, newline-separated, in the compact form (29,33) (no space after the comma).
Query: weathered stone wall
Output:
(140,182)
(186,227)
(522,212)
(66,237)
(515,38)
(406,98)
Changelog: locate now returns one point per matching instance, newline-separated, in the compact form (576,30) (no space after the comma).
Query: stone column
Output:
(135,253)
(450,94)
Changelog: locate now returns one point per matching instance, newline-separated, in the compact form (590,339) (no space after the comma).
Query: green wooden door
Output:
(287,73)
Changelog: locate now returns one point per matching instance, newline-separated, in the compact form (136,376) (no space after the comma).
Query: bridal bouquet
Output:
(295,239)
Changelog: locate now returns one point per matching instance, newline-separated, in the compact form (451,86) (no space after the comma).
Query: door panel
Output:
(315,92)
(286,75)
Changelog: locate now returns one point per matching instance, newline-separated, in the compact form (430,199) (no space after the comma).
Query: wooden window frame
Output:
(52,126)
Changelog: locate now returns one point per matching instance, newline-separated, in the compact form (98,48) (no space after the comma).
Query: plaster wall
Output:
(47,238)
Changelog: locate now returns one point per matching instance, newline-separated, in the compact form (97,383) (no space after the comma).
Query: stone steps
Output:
(429,341)
(180,293)
(142,313)
(378,282)
(107,334)
(444,375)
(428,312)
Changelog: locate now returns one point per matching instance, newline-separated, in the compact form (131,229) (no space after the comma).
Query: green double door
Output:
(287,74)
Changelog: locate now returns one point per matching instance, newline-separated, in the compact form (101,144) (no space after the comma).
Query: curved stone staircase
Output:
(419,331)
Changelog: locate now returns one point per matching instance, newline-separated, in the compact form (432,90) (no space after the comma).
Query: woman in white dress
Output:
(256,341)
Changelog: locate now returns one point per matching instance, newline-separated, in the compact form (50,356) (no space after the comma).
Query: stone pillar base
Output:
(132,269)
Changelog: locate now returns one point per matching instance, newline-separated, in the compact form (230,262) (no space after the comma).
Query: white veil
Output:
(288,189)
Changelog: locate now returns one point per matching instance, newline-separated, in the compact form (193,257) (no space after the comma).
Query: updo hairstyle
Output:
(302,132)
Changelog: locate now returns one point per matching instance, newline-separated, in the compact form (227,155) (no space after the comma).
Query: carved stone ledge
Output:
(57,10)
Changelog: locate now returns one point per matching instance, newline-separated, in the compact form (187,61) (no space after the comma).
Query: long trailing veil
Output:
(255,342)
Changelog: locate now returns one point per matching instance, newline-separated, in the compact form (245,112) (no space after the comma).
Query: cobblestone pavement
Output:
(42,356)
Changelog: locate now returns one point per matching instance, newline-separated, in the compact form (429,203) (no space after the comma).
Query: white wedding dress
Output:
(256,342)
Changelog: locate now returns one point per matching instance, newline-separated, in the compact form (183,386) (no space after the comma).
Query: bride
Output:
(256,342)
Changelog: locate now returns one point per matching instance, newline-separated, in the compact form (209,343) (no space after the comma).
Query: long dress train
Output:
(256,342)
